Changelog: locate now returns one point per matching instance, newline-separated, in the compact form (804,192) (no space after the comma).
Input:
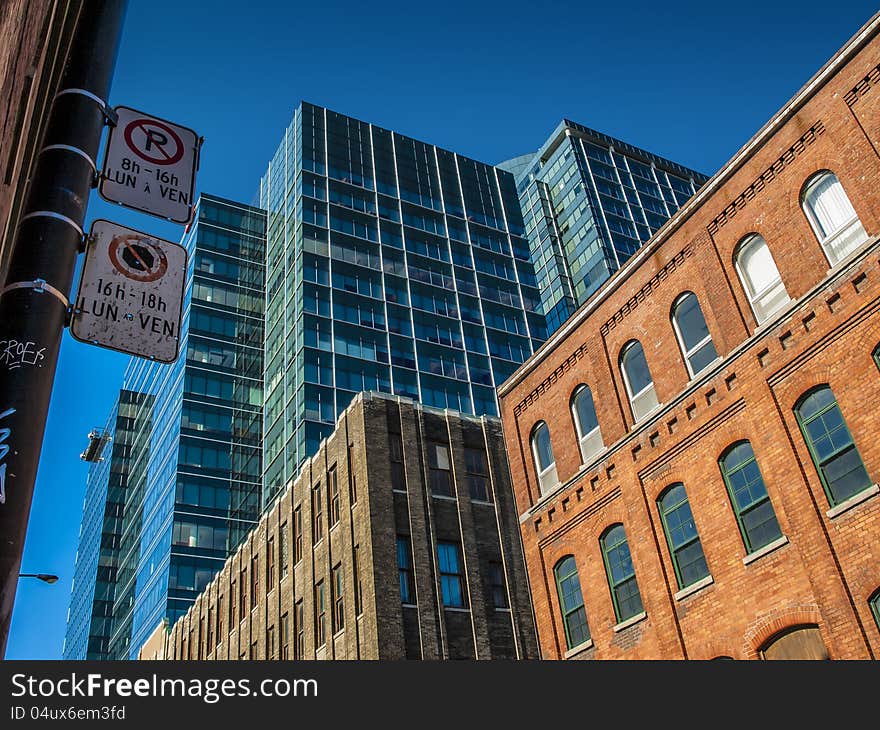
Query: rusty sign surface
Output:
(130,295)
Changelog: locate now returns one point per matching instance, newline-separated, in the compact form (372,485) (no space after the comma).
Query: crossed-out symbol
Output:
(154,141)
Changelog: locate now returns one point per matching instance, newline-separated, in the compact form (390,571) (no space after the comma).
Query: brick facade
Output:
(825,568)
(377,503)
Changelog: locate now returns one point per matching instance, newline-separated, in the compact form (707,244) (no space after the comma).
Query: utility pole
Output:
(46,244)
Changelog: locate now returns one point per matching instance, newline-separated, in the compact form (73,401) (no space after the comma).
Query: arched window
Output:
(545,463)
(621,574)
(831,445)
(682,537)
(692,332)
(795,642)
(832,216)
(571,602)
(876,356)
(760,277)
(874,603)
(748,495)
(586,423)
(639,383)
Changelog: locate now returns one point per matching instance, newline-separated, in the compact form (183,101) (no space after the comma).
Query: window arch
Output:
(831,445)
(830,212)
(692,333)
(586,423)
(682,536)
(545,462)
(748,496)
(876,355)
(638,380)
(571,602)
(621,574)
(760,277)
(874,603)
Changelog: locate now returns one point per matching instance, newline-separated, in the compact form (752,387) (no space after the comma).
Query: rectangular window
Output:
(285,637)
(439,469)
(283,551)
(270,564)
(209,644)
(317,514)
(395,453)
(297,535)
(477,474)
(451,574)
(333,490)
(219,619)
(270,642)
(242,594)
(255,580)
(497,585)
(352,479)
(405,570)
(299,648)
(338,599)
(320,615)
(232,605)
(254,649)
(358,589)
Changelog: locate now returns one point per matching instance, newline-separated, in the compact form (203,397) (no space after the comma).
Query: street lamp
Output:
(45,577)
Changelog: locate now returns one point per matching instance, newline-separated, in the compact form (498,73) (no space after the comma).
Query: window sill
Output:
(499,609)
(631,621)
(647,417)
(409,605)
(444,497)
(862,496)
(484,502)
(456,609)
(399,491)
(338,634)
(768,548)
(694,588)
(588,644)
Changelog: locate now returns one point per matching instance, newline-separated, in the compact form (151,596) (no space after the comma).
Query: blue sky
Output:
(689,81)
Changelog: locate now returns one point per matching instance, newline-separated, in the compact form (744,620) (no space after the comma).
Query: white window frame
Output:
(849,227)
(744,280)
(678,334)
(547,477)
(637,417)
(584,438)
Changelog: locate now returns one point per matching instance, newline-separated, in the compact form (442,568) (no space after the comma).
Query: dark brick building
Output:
(35,38)
(397,540)
(695,453)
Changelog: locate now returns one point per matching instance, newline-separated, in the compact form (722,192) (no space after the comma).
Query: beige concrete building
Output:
(398,539)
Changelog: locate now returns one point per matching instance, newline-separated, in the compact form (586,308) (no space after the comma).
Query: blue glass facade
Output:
(392,265)
(193,471)
(589,202)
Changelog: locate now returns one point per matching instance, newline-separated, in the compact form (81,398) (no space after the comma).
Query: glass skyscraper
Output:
(589,201)
(192,472)
(391,265)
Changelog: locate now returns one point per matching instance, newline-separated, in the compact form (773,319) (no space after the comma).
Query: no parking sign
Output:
(150,165)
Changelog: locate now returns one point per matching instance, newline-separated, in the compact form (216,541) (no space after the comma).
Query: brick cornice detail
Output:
(766,177)
(550,380)
(871,79)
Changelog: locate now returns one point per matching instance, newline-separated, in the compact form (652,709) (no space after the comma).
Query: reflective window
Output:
(586,423)
(639,383)
(831,445)
(748,495)
(405,570)
(682,537)
(545,463)
(832,216)
(571,602)
(693,334)
(760,277)
(451,574)
(621,574)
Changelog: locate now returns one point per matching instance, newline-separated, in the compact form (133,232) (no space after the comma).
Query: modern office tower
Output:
(589,202)
(393,266)
(192,489)
(90,616)
(397,540)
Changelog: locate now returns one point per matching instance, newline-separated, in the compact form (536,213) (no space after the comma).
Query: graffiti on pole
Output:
(5,433)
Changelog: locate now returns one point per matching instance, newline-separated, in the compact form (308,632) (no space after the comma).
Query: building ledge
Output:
(767,549)
(862,496)
(456,609)
(588,644)
(444,498)
(694,588)
(632,621)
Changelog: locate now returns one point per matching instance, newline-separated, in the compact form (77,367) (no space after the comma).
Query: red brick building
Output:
(695,453)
